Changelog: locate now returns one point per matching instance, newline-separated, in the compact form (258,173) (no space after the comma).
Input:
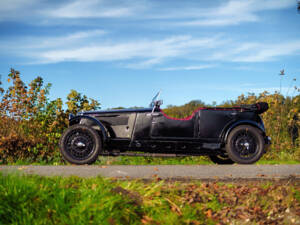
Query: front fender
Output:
(79,120)
(228,129)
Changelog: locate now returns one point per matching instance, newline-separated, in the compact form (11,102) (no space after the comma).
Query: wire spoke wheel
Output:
(80,144)
(245,144)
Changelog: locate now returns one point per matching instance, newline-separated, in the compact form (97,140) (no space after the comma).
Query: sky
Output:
(122,52)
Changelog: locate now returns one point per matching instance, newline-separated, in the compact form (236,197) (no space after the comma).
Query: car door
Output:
(212,122)
(163,127)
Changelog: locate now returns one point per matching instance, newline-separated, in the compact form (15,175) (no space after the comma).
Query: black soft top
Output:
(259,107)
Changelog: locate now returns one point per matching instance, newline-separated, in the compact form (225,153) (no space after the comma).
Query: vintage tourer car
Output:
(226,135)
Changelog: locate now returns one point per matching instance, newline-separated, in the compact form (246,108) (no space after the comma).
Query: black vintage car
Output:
(226,135)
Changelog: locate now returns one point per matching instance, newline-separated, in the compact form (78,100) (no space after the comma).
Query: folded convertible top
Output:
(259,107)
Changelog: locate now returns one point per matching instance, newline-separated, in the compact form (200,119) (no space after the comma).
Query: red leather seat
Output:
(186,118)
(235,108)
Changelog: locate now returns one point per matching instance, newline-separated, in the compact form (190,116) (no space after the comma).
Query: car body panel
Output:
(119,125)
(163,127)
(90,121)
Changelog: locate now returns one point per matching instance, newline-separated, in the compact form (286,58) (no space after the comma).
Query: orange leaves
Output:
(94,186)
(146,220)
(77,102)
(208,213)
(31,124)
(247,202)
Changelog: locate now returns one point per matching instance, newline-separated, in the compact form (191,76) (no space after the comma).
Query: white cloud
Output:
(236,12)
(255,52)
(15,9)
(89,9)
(269,52)
(68,40)
(197,67)
(234,20)
(31,45)
(144,64)
(64,11)
(260,5)
(227,13)
(142,53)
(97,45)
(249,68)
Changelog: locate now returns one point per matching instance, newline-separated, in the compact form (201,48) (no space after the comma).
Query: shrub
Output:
(31,124)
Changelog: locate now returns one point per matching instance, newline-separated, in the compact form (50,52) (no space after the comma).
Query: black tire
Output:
(220,159)
(245,144)
(80,144)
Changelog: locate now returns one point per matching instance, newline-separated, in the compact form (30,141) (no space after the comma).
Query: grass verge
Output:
(127,160)
(73,200)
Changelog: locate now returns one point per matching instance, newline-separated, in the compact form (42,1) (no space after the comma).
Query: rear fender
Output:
(228,129)
(91,122)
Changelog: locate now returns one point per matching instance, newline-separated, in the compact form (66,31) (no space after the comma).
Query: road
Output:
(201,172)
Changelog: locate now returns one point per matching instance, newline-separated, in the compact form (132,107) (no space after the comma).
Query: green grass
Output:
(275,162)
(192,160)
(37,200)
(127,160)
(73,200)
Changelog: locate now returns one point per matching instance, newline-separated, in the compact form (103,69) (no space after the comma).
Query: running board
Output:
(152,154)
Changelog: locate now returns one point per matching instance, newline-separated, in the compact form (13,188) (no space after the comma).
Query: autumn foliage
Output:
(31,124)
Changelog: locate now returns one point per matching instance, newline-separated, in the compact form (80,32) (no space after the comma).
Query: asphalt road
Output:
(202,172)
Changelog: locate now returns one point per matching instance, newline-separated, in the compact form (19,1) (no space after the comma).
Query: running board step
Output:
(152,154)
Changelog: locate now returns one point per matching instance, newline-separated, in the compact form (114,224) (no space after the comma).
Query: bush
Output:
(31,124)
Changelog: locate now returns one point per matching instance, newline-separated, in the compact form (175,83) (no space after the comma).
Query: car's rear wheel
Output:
(80,144)
(245,144)
(221,159)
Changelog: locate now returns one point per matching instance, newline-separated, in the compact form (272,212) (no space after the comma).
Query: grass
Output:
(37,200)
(73,200)
(275,162)
(127,160)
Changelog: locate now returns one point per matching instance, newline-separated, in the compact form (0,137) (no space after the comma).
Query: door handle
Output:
(156,114)
(153,114)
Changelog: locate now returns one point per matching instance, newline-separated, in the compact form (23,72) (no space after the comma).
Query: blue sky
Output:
(122,52)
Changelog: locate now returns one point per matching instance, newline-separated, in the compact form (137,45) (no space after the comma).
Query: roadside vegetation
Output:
(73,200)
(31,124)
(127,160)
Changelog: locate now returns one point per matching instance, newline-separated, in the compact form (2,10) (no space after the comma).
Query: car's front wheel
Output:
(221,159)
(245,144)
(80,144)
